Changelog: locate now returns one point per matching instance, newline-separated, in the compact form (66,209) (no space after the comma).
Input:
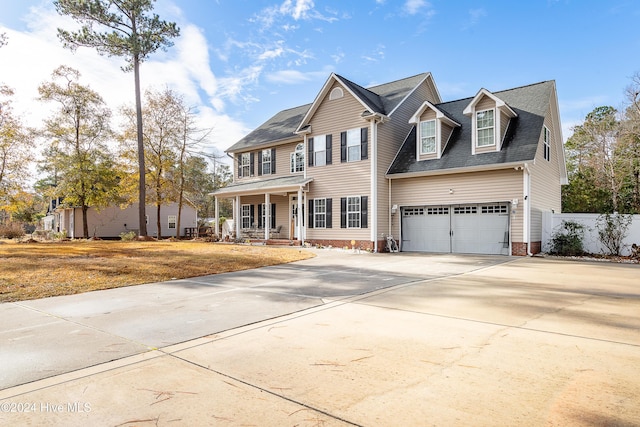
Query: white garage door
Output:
(477,229)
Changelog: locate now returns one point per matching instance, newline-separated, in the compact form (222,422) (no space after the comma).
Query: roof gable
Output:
(440,115)
(529,103)
(500,104)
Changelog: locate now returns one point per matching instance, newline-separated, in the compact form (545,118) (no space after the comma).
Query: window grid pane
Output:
(320,150)
(353,145)
(428,137)
(246,216)
(246,163)
(266,162)
(353,212)
(485,128)
(320,213)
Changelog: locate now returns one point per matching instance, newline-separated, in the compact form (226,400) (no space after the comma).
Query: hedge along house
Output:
(469,176)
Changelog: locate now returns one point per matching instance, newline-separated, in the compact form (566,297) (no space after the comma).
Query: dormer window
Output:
(428,137)
(490,117)
(433,131)
(485,128)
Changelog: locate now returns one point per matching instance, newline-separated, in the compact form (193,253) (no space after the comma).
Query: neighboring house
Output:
(111,221)
(467,176)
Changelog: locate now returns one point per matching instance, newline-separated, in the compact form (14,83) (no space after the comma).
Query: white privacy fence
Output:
(552,222)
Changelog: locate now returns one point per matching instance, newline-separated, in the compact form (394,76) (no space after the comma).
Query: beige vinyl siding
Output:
(545,180)
(486,103)
(391,135)
(428,114)
(504,123)
(283,155)
(476,187)
(339,179)
(446,132)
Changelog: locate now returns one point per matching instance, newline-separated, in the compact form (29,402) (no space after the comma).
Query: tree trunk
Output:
(159,222)
(85,225)
(142,216)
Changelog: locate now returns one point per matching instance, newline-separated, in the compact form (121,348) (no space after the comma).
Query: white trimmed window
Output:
(428,137)
(266,162)
(353,145)
(245,164)
(353,212)
(320,213)
(320,150)
(172,219)
(485,128)
(246,216)
(547,143)
(297,159)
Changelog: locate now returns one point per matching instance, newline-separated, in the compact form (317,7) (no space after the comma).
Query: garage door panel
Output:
(477,229)
(425,229)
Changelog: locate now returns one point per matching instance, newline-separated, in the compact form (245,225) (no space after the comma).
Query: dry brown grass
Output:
(38,270)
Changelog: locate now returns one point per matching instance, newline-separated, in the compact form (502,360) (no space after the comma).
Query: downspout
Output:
(526,220)
(389,216)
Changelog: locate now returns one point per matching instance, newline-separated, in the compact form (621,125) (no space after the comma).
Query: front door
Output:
(294,227)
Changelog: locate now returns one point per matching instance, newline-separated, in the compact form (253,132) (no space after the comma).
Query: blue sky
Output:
(239,61)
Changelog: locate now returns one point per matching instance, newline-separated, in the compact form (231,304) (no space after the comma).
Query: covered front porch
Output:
(269,211)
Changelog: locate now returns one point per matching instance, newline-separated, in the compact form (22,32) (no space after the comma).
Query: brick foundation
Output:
(363,245)
(520,248)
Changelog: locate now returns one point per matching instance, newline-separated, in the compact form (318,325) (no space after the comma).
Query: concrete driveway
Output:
(342,339)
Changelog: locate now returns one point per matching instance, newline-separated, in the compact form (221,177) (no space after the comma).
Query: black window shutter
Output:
(273,160)
(251,163)
(329,213)
(310,145)
(343,212)
(329,152)
(251,216)
(240,165)
(343,146)
(260,224)
(364,211)
(259,163)
(273,215)
(310,224)
(364,143)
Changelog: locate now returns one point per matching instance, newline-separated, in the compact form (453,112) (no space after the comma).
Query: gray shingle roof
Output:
(279,127)
(381,99)
(260,186)
(521,142)
(393,93)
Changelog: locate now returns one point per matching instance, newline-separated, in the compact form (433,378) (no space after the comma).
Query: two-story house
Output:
(359,164)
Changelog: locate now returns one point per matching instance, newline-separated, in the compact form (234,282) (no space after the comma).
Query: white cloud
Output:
(296,9)
(475,16)
(184,68)
(414,6)
(294,77)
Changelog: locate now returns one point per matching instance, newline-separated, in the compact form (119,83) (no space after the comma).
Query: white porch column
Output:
(300,214)
(218,232)
(237,216)
(267,215)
